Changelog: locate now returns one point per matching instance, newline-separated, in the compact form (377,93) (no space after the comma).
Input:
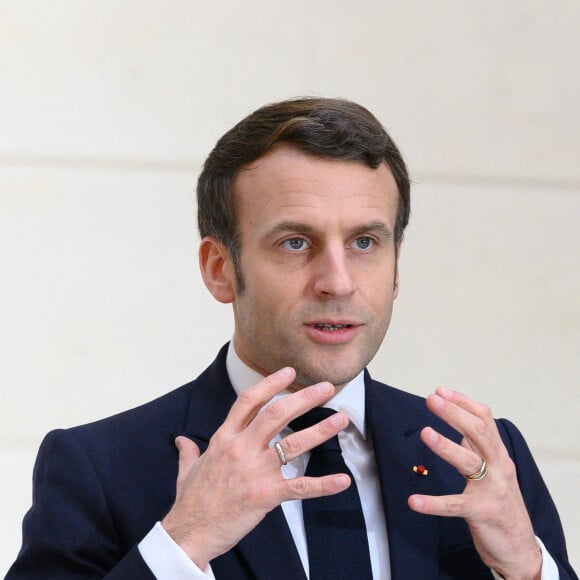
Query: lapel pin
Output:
(420,470)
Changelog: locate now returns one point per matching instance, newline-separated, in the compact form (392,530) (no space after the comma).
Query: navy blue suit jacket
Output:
(100,488)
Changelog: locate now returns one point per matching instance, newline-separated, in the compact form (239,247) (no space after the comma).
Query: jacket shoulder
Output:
(168,409)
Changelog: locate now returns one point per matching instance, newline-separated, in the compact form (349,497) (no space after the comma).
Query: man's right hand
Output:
(223,494)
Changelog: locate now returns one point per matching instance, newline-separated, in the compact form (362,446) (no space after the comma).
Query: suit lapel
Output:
(395,420)
(268,550)
(210,400)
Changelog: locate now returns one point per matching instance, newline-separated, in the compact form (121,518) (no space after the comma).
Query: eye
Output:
(363,243)
(294,244)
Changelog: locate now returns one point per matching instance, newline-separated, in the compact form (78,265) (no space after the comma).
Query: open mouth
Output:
(324,326)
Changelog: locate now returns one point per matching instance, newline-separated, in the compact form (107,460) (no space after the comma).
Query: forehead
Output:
(287,184)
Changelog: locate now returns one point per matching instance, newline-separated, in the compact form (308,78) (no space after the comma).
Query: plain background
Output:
(107,111)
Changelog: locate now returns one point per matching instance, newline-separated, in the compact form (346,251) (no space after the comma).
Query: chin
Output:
(331,374)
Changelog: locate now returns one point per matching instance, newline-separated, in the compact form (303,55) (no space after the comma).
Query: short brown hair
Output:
(331,128)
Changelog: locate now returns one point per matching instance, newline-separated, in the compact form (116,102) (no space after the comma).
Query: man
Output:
(302,208)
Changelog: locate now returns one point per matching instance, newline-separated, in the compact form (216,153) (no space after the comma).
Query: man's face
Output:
(319,263)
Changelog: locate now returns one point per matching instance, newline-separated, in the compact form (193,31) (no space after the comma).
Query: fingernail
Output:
(437,401)
(324,388)
(431,436)
(285,372)
(446,392)
(337,420)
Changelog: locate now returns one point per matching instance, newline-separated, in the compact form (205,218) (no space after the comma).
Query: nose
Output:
(332,274)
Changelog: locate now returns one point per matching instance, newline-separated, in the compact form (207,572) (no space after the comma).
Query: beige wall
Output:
(107,110)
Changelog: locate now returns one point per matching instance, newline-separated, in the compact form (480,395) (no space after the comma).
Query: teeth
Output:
(332,326)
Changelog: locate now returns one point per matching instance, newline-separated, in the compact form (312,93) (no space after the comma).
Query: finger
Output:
(301,441)
(465,444)
(310,487)
(462,458)
(188,455)
(463,401)
(480,431)
(473,407)
(278,414)
(249,403)
(444,505)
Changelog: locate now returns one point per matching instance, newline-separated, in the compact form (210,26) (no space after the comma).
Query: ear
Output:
(396,282)
(217,269)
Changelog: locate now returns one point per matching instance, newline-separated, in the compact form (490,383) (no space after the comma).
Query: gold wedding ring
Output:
(480,474)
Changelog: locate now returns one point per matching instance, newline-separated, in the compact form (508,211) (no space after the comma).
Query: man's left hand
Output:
(493,507)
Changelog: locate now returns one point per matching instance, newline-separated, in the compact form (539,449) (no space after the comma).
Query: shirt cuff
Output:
(549,566)
(167,560)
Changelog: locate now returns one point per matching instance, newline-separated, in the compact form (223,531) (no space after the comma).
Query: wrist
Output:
(186,538)
(530,569)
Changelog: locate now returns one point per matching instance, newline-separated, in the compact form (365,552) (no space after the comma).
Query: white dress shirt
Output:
(168,562)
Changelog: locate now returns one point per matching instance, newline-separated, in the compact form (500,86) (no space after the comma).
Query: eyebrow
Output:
(378,227)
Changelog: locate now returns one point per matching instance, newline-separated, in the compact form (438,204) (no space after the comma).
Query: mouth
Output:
(330,327)
(332,333)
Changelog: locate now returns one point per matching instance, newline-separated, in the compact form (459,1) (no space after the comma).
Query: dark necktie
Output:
(335,528)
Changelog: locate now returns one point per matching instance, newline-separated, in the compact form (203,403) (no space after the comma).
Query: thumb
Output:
(188,455)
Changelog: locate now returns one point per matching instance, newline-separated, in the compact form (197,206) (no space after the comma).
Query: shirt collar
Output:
(350,400)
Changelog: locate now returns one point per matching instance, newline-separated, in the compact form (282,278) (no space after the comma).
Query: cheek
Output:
(265,300)
(274,287)
(379,286)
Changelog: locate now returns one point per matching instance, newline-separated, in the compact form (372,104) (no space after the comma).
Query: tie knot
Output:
(309,419)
